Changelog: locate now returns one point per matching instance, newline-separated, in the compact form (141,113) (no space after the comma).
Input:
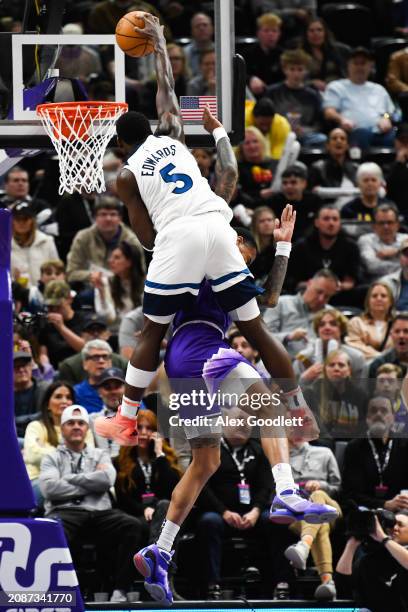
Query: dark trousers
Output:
(212,529)
(116,533)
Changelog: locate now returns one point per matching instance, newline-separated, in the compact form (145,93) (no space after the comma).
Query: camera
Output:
(361,521)
(32,323)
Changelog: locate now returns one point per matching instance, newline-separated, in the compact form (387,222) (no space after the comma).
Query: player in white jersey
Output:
(175,214)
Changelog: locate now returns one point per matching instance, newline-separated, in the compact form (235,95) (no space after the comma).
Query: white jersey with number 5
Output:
(170,182)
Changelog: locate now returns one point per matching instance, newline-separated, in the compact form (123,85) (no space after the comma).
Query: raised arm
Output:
(283,236)
(226,168)
(168,111)
(128,192)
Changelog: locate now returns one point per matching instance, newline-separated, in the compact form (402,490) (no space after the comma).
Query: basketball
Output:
(131,42)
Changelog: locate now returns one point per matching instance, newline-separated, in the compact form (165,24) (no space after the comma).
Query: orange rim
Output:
(69,109)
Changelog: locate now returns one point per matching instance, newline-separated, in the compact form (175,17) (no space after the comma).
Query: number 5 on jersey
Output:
(167,177)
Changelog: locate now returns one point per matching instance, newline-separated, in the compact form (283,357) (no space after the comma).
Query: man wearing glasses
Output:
(96,357)
(380,250)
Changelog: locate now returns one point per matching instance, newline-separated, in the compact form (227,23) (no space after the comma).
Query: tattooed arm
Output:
(226,168)
(274,283)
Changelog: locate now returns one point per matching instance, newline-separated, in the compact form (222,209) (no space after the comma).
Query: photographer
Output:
(379,566)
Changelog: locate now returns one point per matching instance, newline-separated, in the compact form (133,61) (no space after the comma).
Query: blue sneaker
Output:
(290,506)
(153,563)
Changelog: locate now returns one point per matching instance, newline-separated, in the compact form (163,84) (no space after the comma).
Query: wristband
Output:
(219,133)
(283,248)
(385,540)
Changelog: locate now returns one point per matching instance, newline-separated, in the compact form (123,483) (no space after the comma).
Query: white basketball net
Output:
(80,134)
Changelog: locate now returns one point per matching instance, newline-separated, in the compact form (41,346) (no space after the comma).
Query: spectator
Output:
(25,341)
(28,392)
(274,127)
(338,403)
(17,189)
(359,106)
(301,105)
(78,61)
(397,175)
(293,190)
(398,281)
(93,246)
(205,161)
(396,79)
(93,328)
(326,247)
(147,475)
(96,356)
(202,40)
(330,327)
(370,332)
(294,13)
(263,58)
(336,170)
(370,180)
(388,383)
(262,228)
(376,467)
(327,62)
(380,250)
(42,436)
(60,336)
(255,168)
(315,469)
(292,319)
(50,270)
(398,354)
(29,247)
(122,292)
(75,481)
(225,511)
(104,15)
(204,83)
(129,330)
(111,387)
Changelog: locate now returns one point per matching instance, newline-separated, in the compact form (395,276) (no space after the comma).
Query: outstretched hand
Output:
(152,28)
(209,121)
(284,228)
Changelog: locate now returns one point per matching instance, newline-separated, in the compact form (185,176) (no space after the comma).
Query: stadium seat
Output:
(243,44)
(380,155)
(383,49)
(339,451)
(309,156)
(350,23)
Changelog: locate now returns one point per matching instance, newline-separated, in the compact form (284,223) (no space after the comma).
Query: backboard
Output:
(23,130)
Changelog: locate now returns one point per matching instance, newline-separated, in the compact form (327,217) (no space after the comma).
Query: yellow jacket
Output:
(278,133)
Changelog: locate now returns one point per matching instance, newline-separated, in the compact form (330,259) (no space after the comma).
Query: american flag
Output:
(192,107)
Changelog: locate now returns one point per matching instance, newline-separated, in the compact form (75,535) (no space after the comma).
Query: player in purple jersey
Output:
(198,350)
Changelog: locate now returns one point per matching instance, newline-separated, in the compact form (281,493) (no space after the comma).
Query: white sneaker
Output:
(297,554)
(118,596)
(326,590)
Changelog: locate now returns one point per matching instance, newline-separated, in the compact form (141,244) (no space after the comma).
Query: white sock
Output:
(129,408)
(294,399)
(282,473)
(167,535)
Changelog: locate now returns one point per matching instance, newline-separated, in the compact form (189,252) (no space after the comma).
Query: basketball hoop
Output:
(80,132)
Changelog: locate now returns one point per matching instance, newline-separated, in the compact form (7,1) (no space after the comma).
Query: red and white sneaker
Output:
(297,407)
(117,427)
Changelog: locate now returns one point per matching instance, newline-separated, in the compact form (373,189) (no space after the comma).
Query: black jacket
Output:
(360,473)
(329,173)
(221,492)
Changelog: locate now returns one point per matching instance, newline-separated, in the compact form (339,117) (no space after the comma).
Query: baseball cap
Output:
(22,208)
(55,292)
(22,355)
(68,414)
(92,319)
(363,51)
(110,374)
(403,245)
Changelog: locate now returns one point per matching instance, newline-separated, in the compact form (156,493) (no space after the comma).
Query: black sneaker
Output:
(214,592)
(281,591)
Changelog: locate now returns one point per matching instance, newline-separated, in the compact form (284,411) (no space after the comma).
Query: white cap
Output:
(68,414)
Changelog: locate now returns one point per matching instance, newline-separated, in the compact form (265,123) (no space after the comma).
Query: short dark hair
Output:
(264,108)
(133,127)
(327,207)
(14,170)
(297,169)
(386,207)
(327,274)
(109,202)
(400,316)
(247,236)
